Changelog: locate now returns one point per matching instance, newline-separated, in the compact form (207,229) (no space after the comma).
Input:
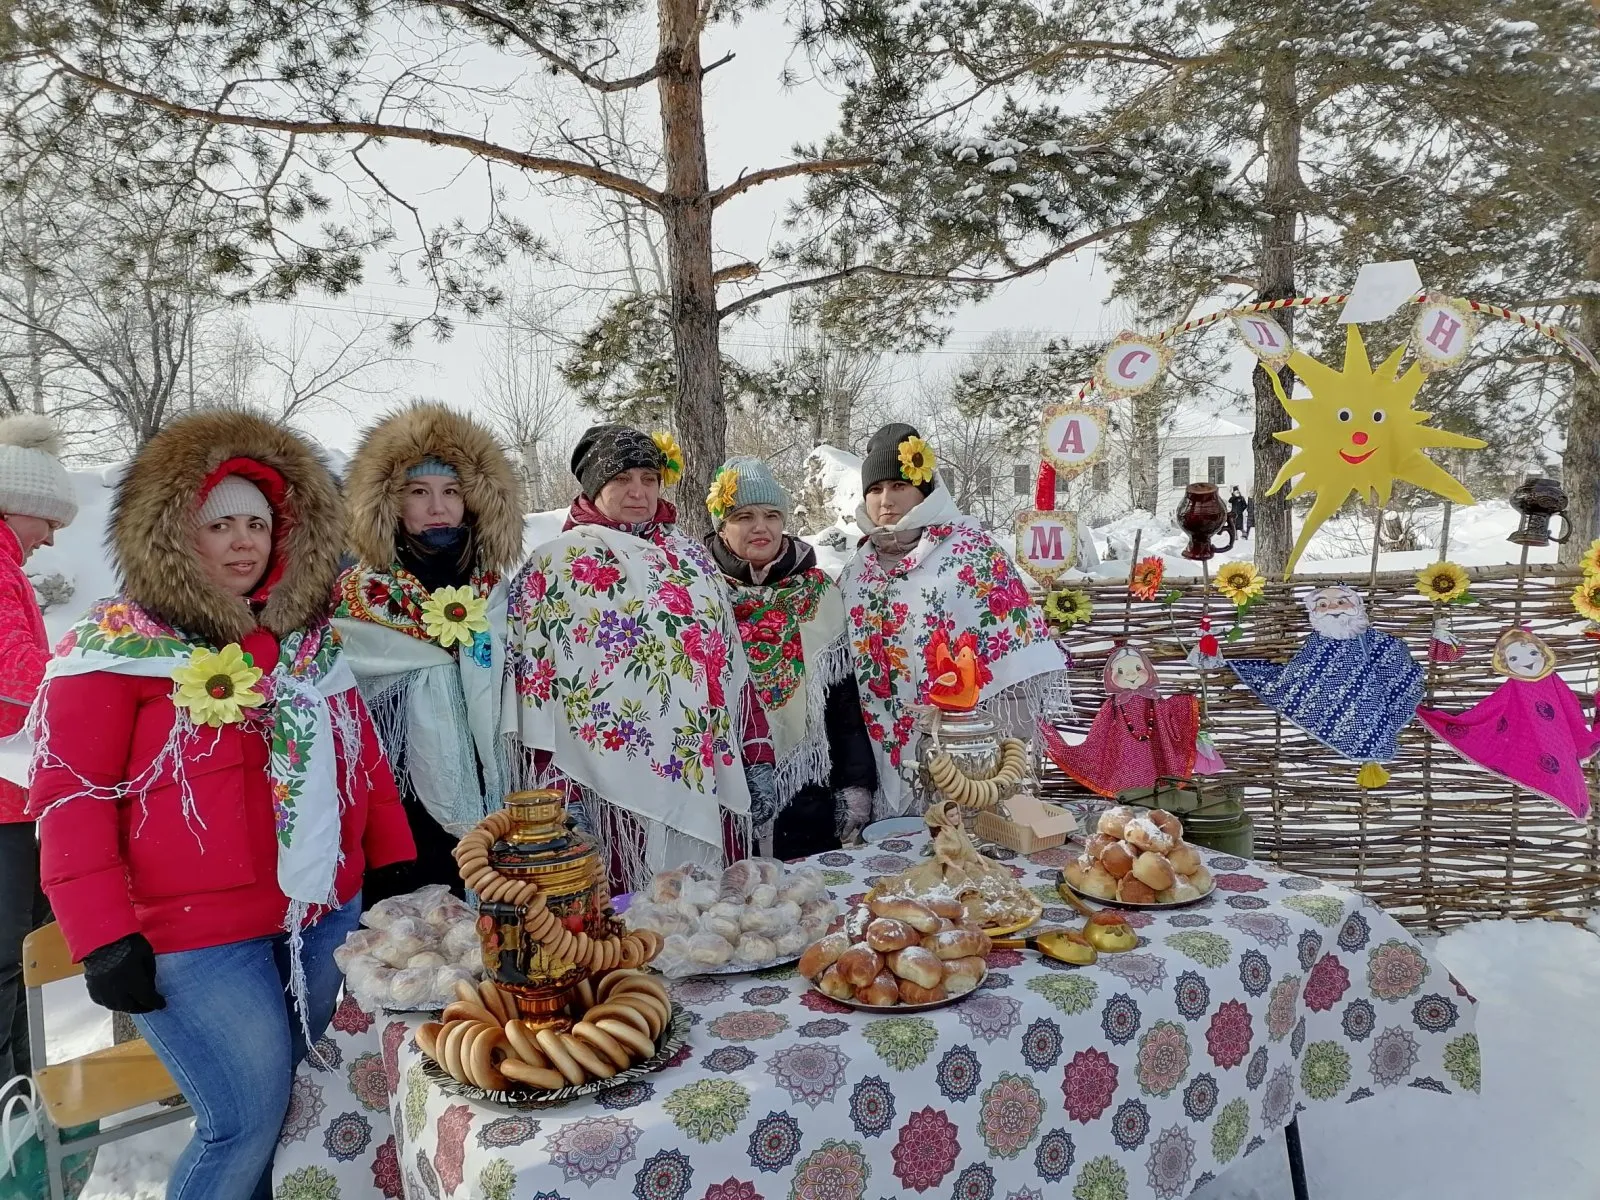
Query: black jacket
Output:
(808,821)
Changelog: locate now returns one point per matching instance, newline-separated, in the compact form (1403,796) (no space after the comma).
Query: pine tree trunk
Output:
(697,409)
(1580,464)
(1147,451)
(1274,534)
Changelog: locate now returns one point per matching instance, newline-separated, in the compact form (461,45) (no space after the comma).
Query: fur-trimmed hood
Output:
(154,522)
(375,483)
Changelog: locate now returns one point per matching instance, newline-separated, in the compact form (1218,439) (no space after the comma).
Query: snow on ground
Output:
(1529,1135)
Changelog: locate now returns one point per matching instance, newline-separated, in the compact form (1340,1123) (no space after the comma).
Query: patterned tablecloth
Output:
(1144,1075)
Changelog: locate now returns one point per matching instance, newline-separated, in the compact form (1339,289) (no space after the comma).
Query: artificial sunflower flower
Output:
(916,460)
(217,686)
(1145,581)
(1590,562)
(673,453)
(724,488)
(1240,582)
(455,614)
(1443,583)
(1586,599)
(1066,607)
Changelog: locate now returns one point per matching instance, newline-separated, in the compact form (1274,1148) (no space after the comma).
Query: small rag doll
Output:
(1138,737)
(1530,730)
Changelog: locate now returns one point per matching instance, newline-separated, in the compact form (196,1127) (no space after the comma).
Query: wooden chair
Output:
(96,1085)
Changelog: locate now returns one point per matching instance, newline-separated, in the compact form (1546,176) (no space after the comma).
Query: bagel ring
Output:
(550,1042)
(523,1045)
(590,1059)
(604,1043)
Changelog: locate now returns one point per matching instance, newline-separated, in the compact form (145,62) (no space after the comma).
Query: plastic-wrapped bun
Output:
(822,908)
(360,941)
(385,913)
(727,911)
(664,919)
(737,882)
(445,911)
(763,895)
(709,950)
(755,949)
(411,988)
(674,956)
(721,927)
(665,887)
(403,938)
(700,892)
(446,977)
(369,980)
(771,870)
(461,940)
(801,885)
(770,922)
(428,958)
(792,942)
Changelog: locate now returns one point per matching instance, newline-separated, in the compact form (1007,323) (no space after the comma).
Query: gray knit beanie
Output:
(753,483)
(33,483)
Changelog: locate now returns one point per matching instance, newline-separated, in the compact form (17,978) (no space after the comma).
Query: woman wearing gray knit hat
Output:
(632,685)
(923,566)
(792,622)
(35,500)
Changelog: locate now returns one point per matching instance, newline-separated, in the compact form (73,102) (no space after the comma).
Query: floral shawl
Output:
(793,631)
(630,674)
(955,578)
(439,713)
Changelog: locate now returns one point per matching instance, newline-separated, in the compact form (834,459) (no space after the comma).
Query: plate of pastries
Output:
(1137,858)
(894,953)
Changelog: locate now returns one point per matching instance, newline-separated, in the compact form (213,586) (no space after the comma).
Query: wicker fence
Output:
(1444,842)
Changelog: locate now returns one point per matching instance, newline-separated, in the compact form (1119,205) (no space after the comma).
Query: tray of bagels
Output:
(623,1026)
(908,955)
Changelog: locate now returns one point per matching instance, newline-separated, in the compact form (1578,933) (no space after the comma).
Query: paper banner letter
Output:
(1358,432)
(1072,437)
(1132,365)
(1047,544)
(1266,339)
(1443,334)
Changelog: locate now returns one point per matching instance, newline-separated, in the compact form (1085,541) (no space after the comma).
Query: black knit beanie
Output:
(882,461)
(606,451)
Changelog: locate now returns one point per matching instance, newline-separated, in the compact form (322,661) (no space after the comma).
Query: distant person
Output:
(1238,509)
(35,500)
(208,784)
(1250,516)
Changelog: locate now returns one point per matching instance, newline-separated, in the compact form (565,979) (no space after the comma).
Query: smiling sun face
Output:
(1357,432)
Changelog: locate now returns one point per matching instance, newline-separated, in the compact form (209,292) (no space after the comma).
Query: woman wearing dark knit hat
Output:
(791,620)
(36,499)
(631,679)
(436,523)
(924,565)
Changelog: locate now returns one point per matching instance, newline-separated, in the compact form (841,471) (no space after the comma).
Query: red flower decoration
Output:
(1000,959)
(675,599)
(1089,1084)
(1239,883)
(1228,1038)
(393,1034)
(817,1002)
(450,1156)
(1326,984)
(350,1017)
(926,1151)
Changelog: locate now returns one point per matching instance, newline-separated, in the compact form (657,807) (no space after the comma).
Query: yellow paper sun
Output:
(217,686)
(455,614)
(1357,432)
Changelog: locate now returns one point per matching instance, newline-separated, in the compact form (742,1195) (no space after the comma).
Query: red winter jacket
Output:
(24,650)
(111,868)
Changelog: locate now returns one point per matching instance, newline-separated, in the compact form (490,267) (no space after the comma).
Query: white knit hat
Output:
(235,496)
(33,483)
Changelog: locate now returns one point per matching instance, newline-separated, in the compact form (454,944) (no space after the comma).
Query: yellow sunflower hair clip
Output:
(724,490)
(917,461)
(672,471)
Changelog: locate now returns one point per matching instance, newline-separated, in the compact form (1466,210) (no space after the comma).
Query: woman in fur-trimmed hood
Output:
(436,526)
(208,784)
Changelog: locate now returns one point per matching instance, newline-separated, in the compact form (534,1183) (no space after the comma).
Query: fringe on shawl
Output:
(811,761)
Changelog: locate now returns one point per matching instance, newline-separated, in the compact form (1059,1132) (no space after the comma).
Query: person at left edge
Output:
(197,807)
(436,525)
(35,501)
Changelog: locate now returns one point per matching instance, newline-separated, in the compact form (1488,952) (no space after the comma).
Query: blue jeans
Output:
(231,1038)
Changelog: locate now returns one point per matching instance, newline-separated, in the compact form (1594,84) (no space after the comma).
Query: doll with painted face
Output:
(1530,730)
(1137,737)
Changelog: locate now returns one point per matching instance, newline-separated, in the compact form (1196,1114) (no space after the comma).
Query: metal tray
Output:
(892,1009)
(1128,904)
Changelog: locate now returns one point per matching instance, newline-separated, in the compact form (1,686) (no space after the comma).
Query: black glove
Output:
(122,976)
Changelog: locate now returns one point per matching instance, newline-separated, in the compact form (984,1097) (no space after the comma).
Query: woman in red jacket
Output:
(208,784)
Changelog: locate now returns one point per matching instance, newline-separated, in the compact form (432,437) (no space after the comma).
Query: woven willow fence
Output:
(1444,842)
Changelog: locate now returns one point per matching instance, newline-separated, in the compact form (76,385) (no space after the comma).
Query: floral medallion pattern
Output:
(1141,1077)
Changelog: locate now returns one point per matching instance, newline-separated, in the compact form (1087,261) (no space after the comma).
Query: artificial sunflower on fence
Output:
(1444,583)
(1586,598)
(217,686)
(1066,607)
(1145,579)
(673,453)
(1590,562)
(1242,585)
